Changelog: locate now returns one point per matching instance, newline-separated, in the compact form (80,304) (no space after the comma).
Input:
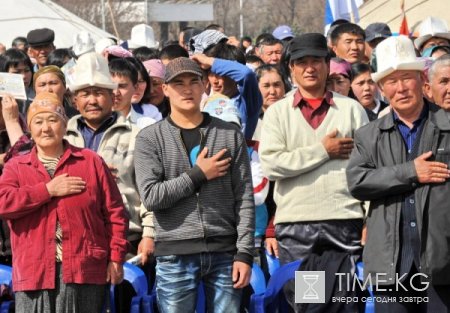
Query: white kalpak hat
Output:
(102,44)
(83,43)
(92,70)
(432,27)
(142,35)
(396,53)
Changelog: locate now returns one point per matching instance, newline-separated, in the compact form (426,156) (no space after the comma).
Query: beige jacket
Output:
(117,149)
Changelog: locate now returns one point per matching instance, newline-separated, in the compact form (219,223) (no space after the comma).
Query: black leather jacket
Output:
(378,172)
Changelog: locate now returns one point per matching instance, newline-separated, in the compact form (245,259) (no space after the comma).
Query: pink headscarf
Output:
(341,67)
(155,68)
(118,51)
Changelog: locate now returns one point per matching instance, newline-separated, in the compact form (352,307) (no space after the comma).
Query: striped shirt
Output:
(50,165)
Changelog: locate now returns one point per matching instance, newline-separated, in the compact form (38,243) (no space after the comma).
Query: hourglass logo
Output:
(310,287)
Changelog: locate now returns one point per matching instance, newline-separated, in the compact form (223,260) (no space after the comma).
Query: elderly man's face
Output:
(439,87)
(271,54)
(403,90)
(94,104)
(40,53)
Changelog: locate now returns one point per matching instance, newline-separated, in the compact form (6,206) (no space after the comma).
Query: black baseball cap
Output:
(310,44)
(377,30)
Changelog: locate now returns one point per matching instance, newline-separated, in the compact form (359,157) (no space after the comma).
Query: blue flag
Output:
(341,9)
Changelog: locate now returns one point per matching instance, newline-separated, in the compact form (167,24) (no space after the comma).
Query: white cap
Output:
(431,27)
(142,35)
(92,70)
(82,43)
(396,53)
(102,44)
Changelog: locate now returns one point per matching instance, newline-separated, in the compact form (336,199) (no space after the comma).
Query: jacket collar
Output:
(121,121)
(69,151)
(203,125)
(300,100)
(436,115)
(439,117)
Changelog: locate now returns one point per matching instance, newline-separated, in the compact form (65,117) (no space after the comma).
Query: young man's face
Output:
(24,70)
(369,46)
(350,47)
(140,89)
(123,94)
(222,84)
(185,92)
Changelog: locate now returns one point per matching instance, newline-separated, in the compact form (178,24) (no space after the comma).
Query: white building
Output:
(389,12)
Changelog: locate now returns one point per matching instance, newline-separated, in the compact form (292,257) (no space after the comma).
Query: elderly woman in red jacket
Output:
(67,219)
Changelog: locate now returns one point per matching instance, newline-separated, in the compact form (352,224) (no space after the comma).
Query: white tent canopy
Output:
(18,17)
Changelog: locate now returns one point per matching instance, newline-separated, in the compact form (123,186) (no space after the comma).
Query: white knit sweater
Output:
(309,185)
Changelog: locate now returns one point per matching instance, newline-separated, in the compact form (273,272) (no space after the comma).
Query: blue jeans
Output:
(178,277)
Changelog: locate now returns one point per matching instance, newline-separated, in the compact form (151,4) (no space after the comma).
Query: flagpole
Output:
(350,8)
(241,19)
(103,15)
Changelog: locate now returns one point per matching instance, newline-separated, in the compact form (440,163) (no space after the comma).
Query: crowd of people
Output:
(206,154)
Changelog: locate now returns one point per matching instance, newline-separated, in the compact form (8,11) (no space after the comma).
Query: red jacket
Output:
(94,222)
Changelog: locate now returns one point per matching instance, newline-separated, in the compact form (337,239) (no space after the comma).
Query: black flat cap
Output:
(310,44)
(40,37)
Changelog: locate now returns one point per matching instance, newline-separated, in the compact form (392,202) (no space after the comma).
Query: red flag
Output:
(404,27)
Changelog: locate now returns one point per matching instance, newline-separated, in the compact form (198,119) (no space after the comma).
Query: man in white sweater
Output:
(305,144)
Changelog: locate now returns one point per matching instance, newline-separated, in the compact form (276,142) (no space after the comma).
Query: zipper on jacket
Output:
(202,145)
(199,208)
(198,193)
(396,239)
